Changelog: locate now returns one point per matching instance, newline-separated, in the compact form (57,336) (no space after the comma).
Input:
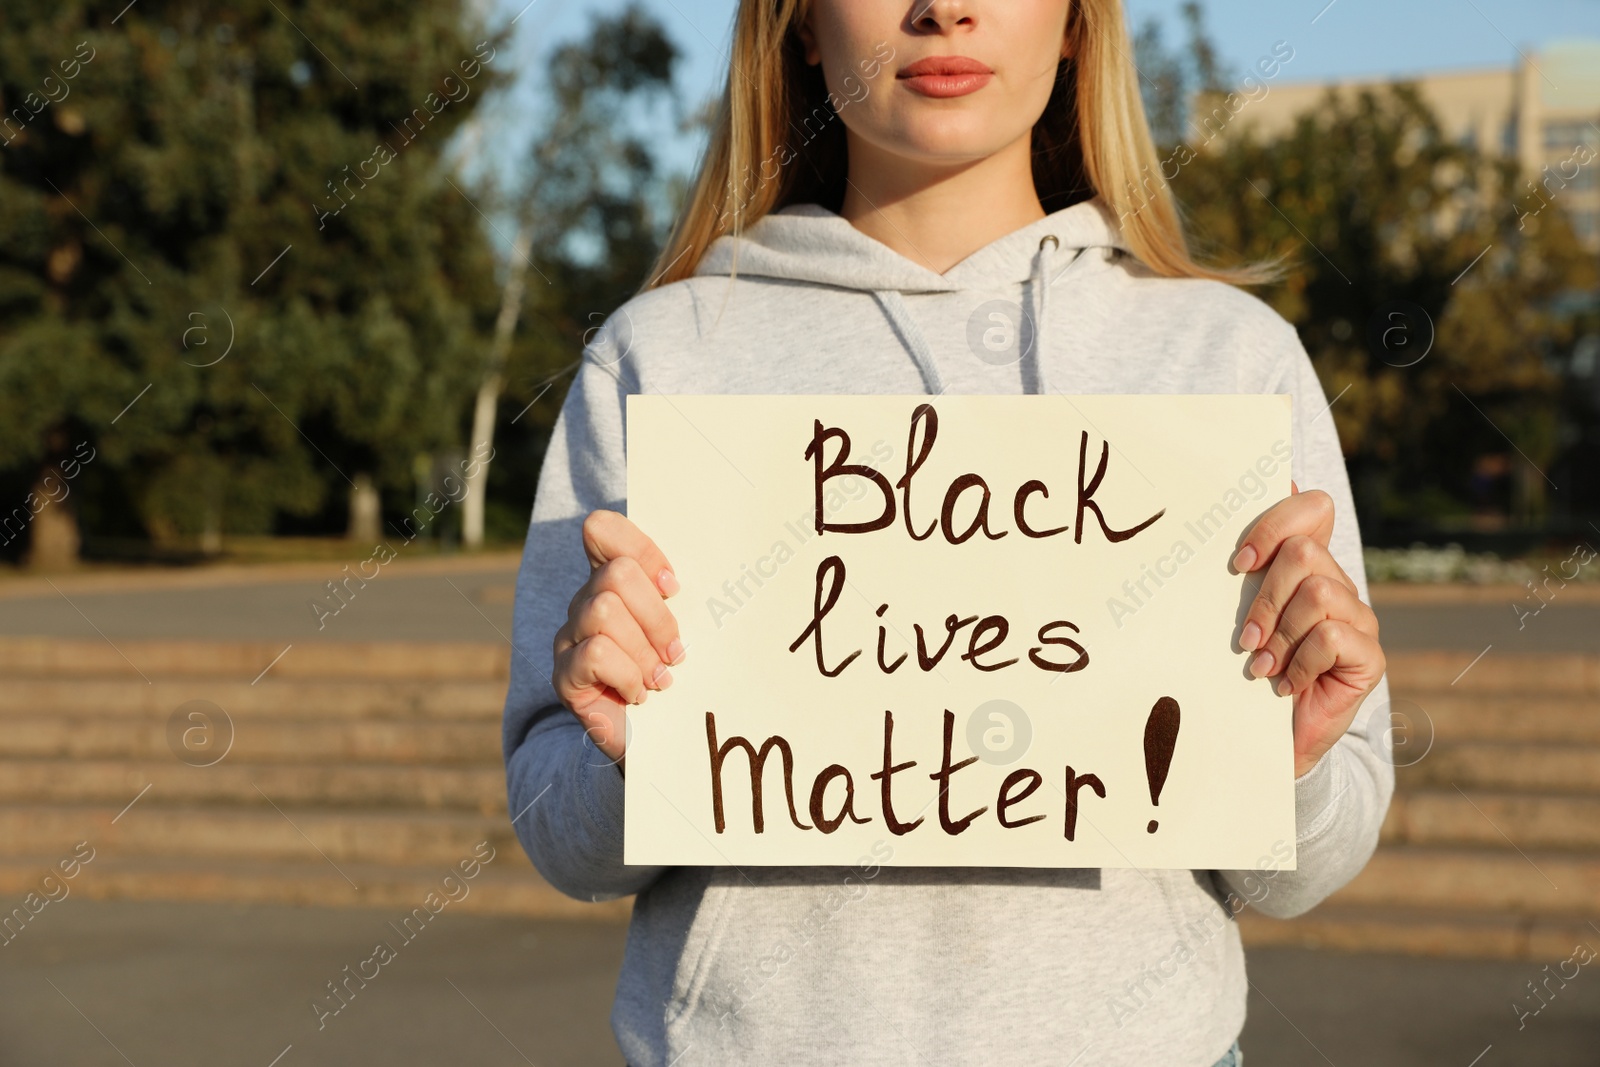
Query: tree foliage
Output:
(236,265)
(599,204)
(1427,308)
(261,178)
(1431,311)
(1170,78)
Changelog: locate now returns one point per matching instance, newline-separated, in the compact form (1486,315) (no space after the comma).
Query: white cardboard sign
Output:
(980,630)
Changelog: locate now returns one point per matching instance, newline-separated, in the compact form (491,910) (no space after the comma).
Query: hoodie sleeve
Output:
(565,795)
(1341,802)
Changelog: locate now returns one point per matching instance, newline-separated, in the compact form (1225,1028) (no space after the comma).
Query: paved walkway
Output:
(470,599)
(118,982)
(461,599)
(110,983)
(1312,1008)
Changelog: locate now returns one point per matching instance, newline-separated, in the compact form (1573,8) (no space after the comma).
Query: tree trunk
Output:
(55,540)
(483,411)
(366,511)
(211,524)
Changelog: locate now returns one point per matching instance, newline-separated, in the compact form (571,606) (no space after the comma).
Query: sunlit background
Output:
(269,291)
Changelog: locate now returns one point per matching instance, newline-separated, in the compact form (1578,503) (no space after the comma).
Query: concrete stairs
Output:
(361,774)
(1492,845)
(356,775)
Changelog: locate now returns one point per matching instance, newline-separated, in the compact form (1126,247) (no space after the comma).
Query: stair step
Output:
(1529,883)
(258,739)
(93,717)
(1460,935)
(1481,765)
(1530,717)
(384,759)
(1494,820)
(269,698)
(410,788)
(374,660)
(498,889)
(401,840)
(1414,673)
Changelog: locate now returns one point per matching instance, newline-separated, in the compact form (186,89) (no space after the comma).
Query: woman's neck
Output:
(938,216)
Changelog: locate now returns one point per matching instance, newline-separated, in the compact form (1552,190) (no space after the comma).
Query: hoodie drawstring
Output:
(894,309)
(1040,281)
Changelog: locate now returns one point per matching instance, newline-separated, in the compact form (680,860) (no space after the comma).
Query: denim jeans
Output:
(1232,1058)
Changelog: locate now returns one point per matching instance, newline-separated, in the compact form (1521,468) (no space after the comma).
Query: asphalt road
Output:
(473,603)
(93,983)
(463,604)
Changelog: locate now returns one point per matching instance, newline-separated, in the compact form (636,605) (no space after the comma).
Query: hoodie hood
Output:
(808,243)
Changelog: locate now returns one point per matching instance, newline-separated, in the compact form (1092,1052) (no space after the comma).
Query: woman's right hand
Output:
(619,638)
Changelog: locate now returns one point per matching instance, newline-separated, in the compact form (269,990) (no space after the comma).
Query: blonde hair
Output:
(1092,140)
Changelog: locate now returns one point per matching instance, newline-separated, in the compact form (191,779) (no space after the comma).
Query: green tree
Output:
(595,203)
(261,179)
(1397,241)
(1381,214)
(1169,79)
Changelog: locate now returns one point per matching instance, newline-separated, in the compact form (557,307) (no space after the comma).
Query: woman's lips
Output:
(945,76)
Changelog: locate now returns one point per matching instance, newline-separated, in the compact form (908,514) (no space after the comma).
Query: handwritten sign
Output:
(959,631)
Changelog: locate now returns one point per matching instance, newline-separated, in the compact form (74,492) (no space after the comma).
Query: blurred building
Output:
(1543,111)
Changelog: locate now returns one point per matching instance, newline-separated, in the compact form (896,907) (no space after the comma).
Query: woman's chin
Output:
(946,140)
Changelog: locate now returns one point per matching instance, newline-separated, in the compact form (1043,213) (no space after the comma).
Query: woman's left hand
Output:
(1307,626)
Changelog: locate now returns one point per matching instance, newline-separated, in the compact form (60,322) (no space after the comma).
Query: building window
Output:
(1569,134)
(1586,225)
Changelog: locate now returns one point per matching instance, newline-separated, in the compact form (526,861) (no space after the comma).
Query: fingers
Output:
(607,613)
(1297,560)
(619,635)
(587,669)
(1307,623)
(608,535)
(1308,514)
(1353,659)
(1332,672)
(619,599)
(1318,599)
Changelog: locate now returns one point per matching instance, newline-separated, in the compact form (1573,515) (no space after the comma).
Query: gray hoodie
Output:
(876,963)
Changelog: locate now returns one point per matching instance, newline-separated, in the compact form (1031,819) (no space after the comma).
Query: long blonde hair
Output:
(1092,140)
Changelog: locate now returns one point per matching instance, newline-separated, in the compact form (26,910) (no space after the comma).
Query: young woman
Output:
(879,170)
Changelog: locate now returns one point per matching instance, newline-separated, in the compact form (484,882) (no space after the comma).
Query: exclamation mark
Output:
(1160,738)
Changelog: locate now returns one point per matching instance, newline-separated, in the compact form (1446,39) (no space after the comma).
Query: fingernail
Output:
(1284,688)
(1261,666)
(675,652)
(667,581)
(1245,559)
(1250,640)
(644,694)
(663,678)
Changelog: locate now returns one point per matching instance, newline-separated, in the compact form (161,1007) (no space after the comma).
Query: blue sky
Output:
(1346,38)
(1350,37)
(1386,37)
